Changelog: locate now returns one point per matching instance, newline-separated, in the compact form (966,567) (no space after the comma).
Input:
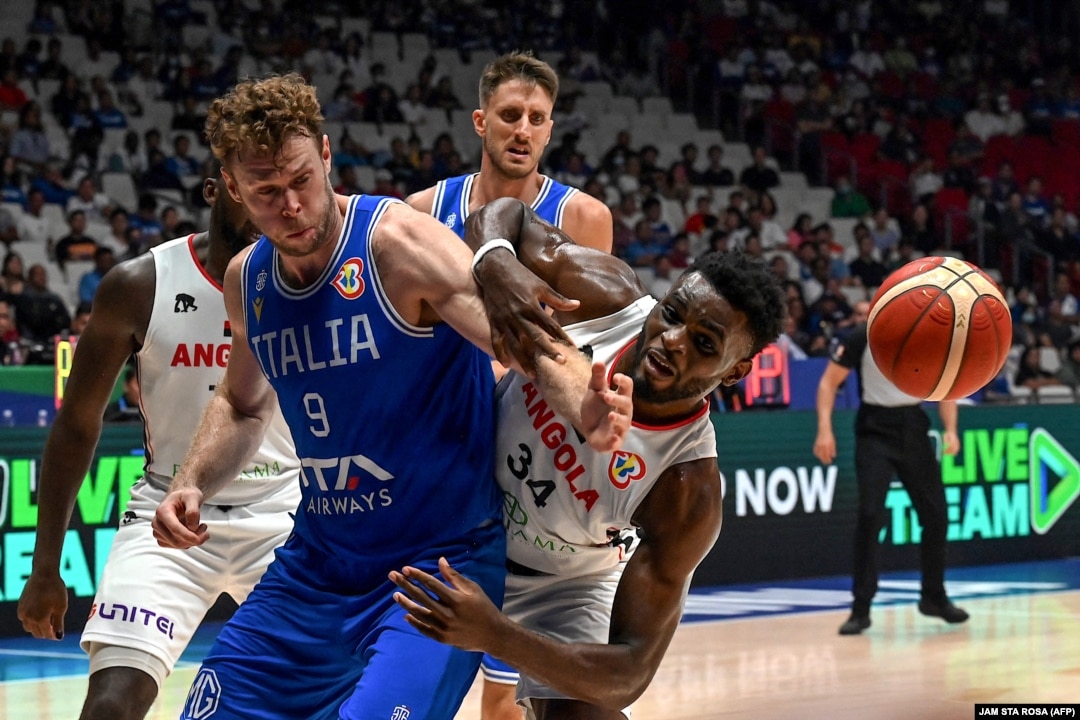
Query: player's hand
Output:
(521,329)
(825,447)
(458,613)
(176,520)
(950,442)
(43,604)
(606,411)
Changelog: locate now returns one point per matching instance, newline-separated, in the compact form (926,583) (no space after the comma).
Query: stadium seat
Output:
(623,105)
(682,126)
(120,188)
(660,106)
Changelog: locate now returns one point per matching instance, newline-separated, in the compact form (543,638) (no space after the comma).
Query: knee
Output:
(118,694)
(108,705)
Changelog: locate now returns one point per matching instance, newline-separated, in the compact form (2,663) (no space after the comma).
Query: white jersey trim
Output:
(389,311)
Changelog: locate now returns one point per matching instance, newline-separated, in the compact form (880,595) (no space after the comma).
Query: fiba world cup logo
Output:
(625,468)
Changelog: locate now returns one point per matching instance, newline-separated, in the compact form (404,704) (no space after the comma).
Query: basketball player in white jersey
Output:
(601,546)
(517,96)
(165,308)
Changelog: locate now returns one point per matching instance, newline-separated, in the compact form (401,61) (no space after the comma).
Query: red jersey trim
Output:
(199,265)
(642,426)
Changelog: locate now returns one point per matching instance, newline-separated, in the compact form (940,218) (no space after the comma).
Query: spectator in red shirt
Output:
(12,96)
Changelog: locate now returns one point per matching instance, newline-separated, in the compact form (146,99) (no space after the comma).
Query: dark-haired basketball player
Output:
(601,546)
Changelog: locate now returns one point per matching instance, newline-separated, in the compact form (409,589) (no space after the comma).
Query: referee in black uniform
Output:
(891,440)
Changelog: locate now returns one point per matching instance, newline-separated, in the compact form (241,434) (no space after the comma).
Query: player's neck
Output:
(663,414)
(490,185)
(213,256)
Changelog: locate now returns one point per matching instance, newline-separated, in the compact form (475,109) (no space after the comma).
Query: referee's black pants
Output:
(893,442)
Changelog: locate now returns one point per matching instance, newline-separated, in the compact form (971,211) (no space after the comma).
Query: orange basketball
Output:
(939,328)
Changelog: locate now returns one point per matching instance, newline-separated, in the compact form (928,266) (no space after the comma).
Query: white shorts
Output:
(151,599)
(572,610)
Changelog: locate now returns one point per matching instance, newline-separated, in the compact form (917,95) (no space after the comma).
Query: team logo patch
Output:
(451,219)
(260,281)
(400,713)
(348,282)
(625,468)
(202,700)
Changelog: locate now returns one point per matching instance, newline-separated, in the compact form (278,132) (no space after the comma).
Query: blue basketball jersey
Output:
(451,203)
(393,423)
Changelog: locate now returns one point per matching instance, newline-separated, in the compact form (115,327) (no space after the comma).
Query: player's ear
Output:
(230,185)
(326,154)
(209,191)
(479,121)
(738,371)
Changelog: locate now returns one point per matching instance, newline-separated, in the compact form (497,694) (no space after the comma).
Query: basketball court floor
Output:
(763,652)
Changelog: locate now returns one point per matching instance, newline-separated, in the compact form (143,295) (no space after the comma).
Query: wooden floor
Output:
(1018,648)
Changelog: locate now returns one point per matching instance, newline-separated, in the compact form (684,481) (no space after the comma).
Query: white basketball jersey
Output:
(567,508)
(181,361)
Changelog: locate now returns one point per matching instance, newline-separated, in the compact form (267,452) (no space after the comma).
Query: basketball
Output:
(939,328)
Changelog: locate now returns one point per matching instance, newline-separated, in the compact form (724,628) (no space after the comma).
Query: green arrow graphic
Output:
(1046,456)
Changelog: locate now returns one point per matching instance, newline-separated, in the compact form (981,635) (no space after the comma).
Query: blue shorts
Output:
(295,649)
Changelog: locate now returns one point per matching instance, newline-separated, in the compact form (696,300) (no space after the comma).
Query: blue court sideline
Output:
(26,659)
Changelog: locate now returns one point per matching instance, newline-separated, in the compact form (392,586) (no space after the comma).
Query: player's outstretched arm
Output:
(600,282)
(681,519)
(117,327)
(229,433)
(426,272)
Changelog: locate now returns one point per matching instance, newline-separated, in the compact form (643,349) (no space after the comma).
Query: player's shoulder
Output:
(131,278)
(422,200)
(588,221)
(586,207)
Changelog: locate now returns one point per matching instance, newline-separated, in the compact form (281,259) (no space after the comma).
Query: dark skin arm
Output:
(117,329)
(601,282)
(680,519)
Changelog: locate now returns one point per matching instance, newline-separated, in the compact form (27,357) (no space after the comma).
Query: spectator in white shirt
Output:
(95,205)
(34,227)
(412,106)
(867,61)
(983,122)
(323,59)
(1012,119)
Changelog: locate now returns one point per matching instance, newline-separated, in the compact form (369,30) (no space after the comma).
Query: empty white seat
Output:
(415,45)
(365,177)
(657,106)
(681,127)
(622,105)
(647,128)
(599,89)
(1055,394)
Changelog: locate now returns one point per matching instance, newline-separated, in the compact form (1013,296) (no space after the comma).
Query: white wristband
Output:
(490,245)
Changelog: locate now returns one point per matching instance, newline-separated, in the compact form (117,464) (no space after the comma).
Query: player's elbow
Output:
(624,693)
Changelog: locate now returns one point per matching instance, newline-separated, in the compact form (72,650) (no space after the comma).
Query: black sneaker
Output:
(855,624)
(946,611)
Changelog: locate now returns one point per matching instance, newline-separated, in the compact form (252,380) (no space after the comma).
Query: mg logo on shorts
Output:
(202,700)
(400,713)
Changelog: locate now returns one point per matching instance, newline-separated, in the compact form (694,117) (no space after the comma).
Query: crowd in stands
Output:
(932,140)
